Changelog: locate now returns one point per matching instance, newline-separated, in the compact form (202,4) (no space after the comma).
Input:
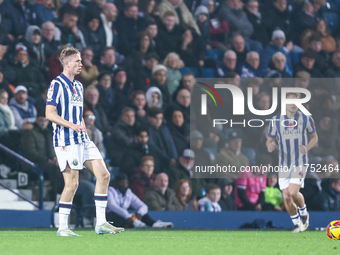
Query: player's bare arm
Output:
(313,140)
(270,143)
(52,116)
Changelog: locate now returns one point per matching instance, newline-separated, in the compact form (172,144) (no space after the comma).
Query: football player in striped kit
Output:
(296,135)
(74,150)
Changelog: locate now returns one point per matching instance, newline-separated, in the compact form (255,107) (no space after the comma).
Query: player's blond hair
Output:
(65,53)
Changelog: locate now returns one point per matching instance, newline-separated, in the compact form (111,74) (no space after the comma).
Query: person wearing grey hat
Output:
(202,19)
(227,201)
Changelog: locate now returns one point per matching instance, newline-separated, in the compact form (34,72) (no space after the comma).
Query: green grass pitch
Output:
(25,242)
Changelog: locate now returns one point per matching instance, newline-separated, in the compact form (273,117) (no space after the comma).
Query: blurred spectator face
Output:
(173,62)
(153,30)
(70,21)
(139,101)
(36,38)
(110,12)
(279,62)
(156,121)
(48,31)
(3,50)
(121,78)
(150,63)
(177,118)
(336,59)
(129,118)
(228,189)
(87,57)
(42,122)
(185,189)
(211,6)
(145,42)
(187,163)
(281,5)
(292,108)
(214,195)
(235,145)
(162,181)
(93,24)
(74,3)
(148,167)
(92,96)
(160,77)
(188,36)
(272,180)
(151,6)
(235,81)
(239,4)
(101,3)
(230,60)
(131,1)
(132,12)
(279,42)
(321,27)
(175,2)
(256,88)
(106,81)
(308,62)
(202,17)
(184,97)
(143,138)
(109,58)
(302,83)
(196,143)
(328,105)
(308,7)
(123,185)
(4,98)
(21,2)
(254,60)
(326,123)
(238,43)
(154,98)
(21,97)
(89,118)
(189,81)
(264,102)
(316,45)
(22,56)
(47,3)
(169,22)
(253,6)
(336,186)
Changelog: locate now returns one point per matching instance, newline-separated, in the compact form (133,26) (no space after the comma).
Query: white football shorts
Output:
(75,155)
(295,175)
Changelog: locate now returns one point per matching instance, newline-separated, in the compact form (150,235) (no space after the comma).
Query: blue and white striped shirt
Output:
(291,133)
(67,96)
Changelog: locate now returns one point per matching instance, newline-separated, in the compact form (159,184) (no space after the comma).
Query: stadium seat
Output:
(208,72)
(216,54)
(250,154)
(185,70)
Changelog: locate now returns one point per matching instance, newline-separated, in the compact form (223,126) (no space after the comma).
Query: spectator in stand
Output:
(159,73)
(182,14)
(143,177)
(73,6)
(229,63)
(173,76)
(144,75)
(36,145)
(94,35)
(179,131)
(69,32)
(329,198)
(35,47)
(147,9)
(251,68)
(272,195)
(322,58)
(139,105)
(51,45)
(97,5)
(227,201)
(131,158)
(123,135)
(278,64)
(108,61)
(202,19)
(91,101)
(276,45)
(44,11)
(255,18)
(333,70)
(251,185)
(117,210)
(159,197)
(231,11)
(26,72)
(232,154)
(196,145)
(182,103)
(94,133)
(192,50)
(154,98)
(169,34)
(6,22)
(54,65)
(239,47)
(7,74)
(106,93)
(89,72)
(327,41)
(209,203)
(307,63)
(184,170)
(108,17)
(160,138)
(184,195)
(129,24)
(152,29)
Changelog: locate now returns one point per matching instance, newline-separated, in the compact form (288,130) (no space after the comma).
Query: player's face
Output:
(292,108)
(73,64)
(214,195)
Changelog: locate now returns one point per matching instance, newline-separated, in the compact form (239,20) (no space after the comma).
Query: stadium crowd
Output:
(140,60)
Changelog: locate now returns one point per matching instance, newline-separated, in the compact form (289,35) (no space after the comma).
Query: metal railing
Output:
(36,168)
